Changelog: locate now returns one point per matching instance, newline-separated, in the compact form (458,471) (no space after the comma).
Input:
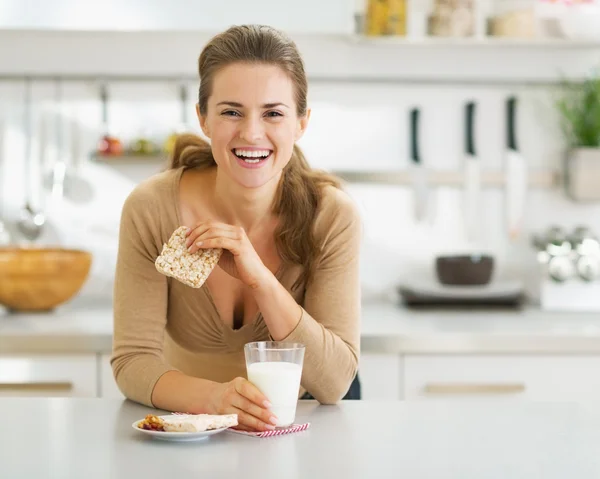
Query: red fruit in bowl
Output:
(110,146)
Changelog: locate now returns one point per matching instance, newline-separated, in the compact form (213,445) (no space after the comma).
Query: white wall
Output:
(155,15)
(353,125)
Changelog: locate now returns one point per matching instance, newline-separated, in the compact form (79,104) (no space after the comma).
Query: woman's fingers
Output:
(211,231)
(251,392)
(258,412)
(251,422)
(221,242)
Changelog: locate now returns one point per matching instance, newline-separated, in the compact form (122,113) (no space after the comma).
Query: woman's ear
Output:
(202,121)
(302,124)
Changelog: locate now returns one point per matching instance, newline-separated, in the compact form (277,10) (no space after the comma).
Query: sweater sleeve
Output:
(140,301)
(330,323)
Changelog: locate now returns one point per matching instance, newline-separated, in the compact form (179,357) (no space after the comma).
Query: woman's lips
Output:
(252,158)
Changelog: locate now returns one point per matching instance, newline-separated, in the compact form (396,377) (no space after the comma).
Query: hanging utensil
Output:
(418,173)
(108,145)
(472,176)
(64,180)
(77,188)
(5,236)
(31,222)
(59,169)
(516,174)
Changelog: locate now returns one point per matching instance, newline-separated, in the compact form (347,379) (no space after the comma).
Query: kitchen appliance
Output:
(426,294)
(569,269)
(516,174)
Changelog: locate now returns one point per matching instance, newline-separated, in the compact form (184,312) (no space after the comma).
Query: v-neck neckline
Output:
(205,289)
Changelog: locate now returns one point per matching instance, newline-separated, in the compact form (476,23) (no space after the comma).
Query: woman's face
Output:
(252,122)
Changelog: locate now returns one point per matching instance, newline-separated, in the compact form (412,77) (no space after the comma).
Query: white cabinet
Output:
(108,386)
(539,378)
(380,376)
(48,375)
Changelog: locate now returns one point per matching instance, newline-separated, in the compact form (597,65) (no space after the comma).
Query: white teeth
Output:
(252,153)
(251,161)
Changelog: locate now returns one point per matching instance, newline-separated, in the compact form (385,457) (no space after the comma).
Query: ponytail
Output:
(191,151)
(296,204)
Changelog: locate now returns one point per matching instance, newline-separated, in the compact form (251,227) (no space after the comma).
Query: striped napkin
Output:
(276,432)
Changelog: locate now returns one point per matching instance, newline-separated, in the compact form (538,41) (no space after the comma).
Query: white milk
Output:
(280,382)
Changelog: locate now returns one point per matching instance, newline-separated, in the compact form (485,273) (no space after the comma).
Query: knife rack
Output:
(537,179)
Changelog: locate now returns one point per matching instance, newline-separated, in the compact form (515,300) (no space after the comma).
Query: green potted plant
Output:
(579,109)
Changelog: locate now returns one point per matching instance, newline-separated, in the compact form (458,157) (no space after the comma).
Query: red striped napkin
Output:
(276,432)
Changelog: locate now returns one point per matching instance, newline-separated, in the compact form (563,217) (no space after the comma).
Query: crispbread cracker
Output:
(190,269)
(199,422)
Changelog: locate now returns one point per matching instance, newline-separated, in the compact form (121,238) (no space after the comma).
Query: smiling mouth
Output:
(252,156)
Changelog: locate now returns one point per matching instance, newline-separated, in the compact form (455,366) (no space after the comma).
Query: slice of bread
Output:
(190,269)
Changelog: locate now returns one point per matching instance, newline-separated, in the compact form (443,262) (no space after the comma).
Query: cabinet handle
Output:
(37,386)
(474,388)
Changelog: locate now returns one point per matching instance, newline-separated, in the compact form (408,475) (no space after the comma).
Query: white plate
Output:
(177,436)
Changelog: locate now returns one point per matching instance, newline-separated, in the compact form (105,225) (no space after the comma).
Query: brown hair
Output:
(300,189)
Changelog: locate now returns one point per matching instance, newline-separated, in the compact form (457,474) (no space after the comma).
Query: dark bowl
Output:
(464,270)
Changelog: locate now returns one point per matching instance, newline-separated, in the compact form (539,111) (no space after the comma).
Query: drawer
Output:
(540,378)
(48,375)
(108,385)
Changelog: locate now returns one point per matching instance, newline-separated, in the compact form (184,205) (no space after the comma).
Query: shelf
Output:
(546,179)
(130,158)
(543,179)
(473,42)
(332,58)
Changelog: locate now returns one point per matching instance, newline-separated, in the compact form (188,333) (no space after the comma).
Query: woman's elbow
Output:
(337,387)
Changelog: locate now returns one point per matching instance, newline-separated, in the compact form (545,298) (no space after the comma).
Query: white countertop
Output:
(94,438)
(386,328)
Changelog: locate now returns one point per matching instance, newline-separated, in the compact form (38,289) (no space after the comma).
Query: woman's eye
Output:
(230,113)
(273,113)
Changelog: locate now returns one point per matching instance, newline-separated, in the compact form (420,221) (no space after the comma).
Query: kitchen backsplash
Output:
(353,126)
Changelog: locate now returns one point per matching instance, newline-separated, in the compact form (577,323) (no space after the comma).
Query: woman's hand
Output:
(239,258)
(243,398)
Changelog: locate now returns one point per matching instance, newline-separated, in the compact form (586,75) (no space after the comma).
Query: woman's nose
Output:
(252,130)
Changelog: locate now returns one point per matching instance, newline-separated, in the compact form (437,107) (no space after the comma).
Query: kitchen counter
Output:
(386,328)
(93,438)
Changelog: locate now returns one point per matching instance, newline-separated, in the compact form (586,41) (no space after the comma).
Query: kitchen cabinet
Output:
(502,377)
(48,375)
(108,386)
(380,376)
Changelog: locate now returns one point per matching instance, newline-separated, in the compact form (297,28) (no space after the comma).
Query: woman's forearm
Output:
(174,391)
(279,309)
(330,362)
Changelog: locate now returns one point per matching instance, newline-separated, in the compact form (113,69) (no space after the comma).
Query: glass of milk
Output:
(275,368)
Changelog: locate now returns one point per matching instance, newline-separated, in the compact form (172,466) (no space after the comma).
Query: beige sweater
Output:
(161,324)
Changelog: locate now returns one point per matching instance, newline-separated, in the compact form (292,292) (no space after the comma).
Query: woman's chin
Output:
(256,179)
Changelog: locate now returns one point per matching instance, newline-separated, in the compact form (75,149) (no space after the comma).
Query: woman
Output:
(290,236)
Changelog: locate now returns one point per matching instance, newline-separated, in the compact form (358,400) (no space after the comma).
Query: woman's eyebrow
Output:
(235,104)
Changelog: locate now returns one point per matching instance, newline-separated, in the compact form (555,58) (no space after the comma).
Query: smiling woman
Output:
(289,237)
